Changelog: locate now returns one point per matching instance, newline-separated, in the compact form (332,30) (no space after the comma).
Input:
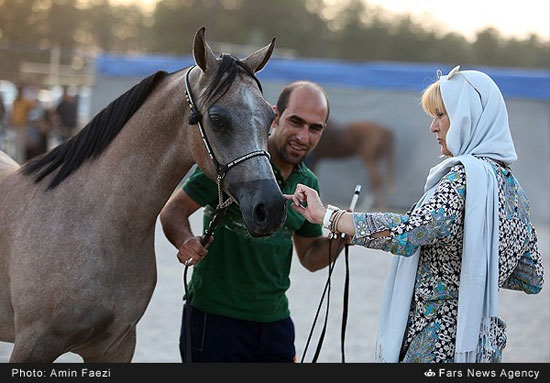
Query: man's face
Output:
(298,129)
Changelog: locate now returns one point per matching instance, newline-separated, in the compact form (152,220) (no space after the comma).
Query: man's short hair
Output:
(282,102)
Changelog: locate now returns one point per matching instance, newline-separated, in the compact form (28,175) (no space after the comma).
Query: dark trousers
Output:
(219,339)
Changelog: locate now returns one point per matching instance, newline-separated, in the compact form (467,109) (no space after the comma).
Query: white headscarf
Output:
(478,127)
(478,116)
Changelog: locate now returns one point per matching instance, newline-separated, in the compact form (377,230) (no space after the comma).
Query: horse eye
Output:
(216,122)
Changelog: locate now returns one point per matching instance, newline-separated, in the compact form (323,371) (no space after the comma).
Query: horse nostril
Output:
(260,213)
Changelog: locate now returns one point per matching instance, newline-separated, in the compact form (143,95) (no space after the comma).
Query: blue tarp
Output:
(514,83)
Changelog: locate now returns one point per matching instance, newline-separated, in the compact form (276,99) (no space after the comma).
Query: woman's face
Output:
(440,126)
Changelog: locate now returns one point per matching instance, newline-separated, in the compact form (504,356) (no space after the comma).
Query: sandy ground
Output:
(527,316)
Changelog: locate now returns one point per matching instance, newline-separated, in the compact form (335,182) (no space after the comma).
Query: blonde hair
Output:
(432,101)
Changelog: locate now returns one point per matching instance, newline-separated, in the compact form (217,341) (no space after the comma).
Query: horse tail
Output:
(7,165)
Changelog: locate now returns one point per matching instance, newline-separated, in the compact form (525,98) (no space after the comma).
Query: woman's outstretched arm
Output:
(307,202)
(399,234)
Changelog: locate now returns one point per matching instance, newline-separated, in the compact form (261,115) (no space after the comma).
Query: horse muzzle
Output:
(262,205)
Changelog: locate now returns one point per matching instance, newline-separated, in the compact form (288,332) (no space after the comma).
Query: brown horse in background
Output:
(369,140)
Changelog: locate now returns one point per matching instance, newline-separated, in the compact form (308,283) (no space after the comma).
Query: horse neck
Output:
(148,158)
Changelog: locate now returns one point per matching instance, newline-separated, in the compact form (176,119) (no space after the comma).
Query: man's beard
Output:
(293,160)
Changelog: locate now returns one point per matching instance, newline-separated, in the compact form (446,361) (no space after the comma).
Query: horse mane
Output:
(94,138)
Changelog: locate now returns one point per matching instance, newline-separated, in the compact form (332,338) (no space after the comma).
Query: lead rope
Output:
(345,306)
(327,289)
(221,209)
(323,331)
(187,308)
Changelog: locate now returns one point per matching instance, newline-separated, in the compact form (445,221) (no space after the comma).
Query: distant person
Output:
(67,113)
(38,128)
(237,292)
(469,235)
(21,107)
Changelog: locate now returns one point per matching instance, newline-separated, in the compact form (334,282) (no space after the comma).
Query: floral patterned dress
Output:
(437,226)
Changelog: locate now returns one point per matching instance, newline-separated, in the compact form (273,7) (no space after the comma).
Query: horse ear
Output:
(257,60)
(204,57)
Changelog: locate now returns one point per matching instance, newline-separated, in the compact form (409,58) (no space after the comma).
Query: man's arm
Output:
(174,218)
(313,252)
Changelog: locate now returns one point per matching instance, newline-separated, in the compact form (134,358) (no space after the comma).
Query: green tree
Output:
(452,48)
(347,30)
(487,47)
(62,19)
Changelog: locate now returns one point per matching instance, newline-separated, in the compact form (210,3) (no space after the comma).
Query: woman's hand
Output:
(306,201)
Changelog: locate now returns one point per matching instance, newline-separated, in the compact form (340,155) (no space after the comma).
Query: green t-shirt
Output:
(245,277)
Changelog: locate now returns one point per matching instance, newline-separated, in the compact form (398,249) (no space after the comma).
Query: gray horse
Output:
(77,259)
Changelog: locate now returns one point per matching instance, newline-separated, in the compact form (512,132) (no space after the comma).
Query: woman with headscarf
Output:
(469,235)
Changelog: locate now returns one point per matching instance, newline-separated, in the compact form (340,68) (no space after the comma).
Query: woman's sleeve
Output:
(436,220)
(528,276)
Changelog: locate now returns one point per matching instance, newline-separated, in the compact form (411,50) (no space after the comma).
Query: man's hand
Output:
(192,251)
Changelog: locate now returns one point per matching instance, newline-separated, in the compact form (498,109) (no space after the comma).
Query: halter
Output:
(221,170)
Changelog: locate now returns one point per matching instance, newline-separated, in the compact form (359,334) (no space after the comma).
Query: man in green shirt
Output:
(237,294)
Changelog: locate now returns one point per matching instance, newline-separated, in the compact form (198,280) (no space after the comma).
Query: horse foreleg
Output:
(32,346)
(388,155)
(120,350)
(7,328)
(376,183)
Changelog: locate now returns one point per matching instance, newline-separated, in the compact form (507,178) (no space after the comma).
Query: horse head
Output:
(235,119)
